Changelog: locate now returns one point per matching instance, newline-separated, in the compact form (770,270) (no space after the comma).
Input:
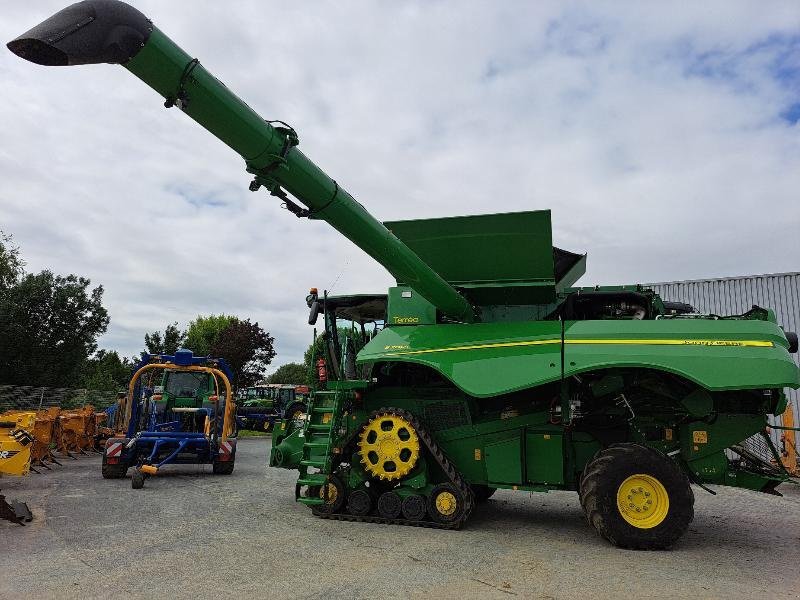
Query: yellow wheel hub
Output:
(388,447)
(446,503)
(642,500)
(331,491)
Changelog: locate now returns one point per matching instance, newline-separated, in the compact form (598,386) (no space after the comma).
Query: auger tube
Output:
(109,31)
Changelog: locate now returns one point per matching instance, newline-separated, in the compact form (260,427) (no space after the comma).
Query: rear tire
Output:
(630,477)
(223,468)
(116,471)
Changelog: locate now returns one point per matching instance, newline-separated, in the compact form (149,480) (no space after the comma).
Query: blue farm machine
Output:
(187,418)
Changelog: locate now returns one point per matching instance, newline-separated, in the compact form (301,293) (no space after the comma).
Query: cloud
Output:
(664,139)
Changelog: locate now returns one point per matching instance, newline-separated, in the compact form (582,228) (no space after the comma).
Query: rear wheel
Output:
(636,497)
(116,471)
(223,468)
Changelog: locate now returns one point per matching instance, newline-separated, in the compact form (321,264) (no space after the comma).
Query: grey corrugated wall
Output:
(736,295)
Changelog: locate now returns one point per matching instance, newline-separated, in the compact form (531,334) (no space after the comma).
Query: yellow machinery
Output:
(16,443)
(788,443)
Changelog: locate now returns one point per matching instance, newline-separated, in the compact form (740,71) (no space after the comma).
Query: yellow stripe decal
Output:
(668,342)
(591,342)
(479,347)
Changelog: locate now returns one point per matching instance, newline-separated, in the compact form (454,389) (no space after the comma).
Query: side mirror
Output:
(312,316)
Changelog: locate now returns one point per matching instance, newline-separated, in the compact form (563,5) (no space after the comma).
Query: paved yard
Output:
(190,534)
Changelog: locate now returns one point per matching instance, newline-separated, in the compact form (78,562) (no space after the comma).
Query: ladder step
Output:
(323,409)
(313,480)
(319,427)
(310,501)
(316,444)
(320,464)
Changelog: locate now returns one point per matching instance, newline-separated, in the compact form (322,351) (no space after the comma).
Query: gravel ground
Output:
(191,534)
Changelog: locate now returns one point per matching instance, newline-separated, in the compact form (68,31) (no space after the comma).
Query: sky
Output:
(664,137)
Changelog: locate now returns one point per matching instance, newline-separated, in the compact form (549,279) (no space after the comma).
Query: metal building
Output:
(737,295)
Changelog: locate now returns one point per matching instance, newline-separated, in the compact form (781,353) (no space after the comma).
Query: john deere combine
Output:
(489,370)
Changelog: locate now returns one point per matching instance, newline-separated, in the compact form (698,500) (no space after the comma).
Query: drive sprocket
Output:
(388,446)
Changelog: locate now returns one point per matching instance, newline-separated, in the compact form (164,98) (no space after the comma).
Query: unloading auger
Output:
(485,367)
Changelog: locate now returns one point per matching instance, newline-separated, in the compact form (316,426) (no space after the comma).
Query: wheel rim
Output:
(332,493)
(388,447)
(446,503)
(643,501)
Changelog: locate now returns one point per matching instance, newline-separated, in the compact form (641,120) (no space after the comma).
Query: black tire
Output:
(335,500)
(359,503)
(223,468)
(415,507)
(446,514)
(116,471)
(137,479)
(390,505)
(482,492)
(602,480)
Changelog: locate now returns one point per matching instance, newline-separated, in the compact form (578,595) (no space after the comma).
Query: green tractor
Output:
(261,406)
(484,367)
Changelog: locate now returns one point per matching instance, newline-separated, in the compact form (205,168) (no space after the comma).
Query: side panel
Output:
(504,461)
(544,453)
(719,355)
(484,359)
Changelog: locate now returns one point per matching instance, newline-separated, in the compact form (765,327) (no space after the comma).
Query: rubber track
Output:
(453,475)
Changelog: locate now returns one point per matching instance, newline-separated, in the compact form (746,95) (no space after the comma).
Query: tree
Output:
(49,325)
(203,332)
(11,265)
(168,343)
(106,371)
(247,348)
(290,373)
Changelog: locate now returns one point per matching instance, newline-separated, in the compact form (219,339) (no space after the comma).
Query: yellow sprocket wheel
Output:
(388,447)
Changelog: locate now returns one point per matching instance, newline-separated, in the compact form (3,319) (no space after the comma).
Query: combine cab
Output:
(188,418)
(485,366)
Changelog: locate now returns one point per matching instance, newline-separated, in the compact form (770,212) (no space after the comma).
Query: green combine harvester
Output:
(486,368)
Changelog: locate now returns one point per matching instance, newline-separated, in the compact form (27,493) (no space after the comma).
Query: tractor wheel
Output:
(636,497)
(359,503)
(116,471)
(446,503)
(390,505)
(482,492)
(137,479)
(223,468)
(414,507)
(332,494)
